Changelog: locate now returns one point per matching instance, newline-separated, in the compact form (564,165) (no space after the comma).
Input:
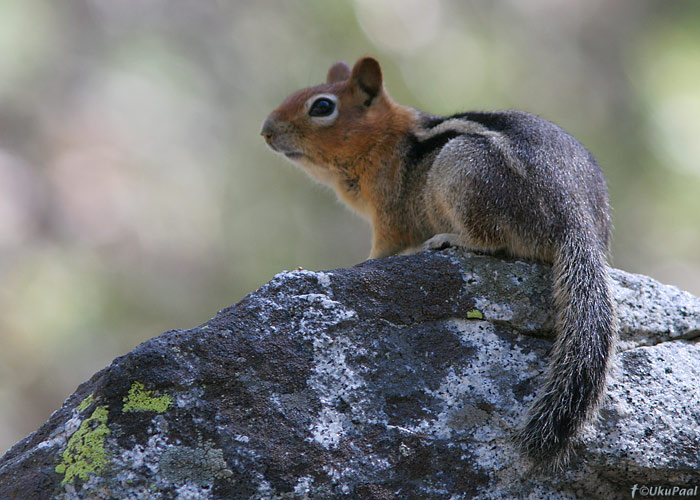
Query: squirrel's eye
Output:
(322,107)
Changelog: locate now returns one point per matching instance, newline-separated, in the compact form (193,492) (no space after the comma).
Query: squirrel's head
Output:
(326,128)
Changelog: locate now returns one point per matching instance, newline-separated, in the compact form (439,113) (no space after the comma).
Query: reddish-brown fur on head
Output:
(342,150)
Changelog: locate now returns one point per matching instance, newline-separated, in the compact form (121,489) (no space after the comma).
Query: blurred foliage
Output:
(136,195)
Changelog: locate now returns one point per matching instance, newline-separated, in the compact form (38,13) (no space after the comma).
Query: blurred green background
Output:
(136,195)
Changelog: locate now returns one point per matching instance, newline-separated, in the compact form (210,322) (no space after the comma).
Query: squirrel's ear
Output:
(366,76)
(339,72)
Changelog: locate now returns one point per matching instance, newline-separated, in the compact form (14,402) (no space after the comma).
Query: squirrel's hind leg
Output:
(442,241)
(446,240)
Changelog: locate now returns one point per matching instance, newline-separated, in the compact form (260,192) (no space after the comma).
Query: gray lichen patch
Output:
(651,312)
(654,406)
(201,465)
(496,368)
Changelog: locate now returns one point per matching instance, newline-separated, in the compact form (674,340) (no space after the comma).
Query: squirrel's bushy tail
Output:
(587,330)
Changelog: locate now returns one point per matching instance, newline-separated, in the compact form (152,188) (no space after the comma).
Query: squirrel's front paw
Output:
(442,241)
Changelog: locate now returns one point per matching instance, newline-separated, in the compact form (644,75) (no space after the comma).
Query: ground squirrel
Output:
(490,181)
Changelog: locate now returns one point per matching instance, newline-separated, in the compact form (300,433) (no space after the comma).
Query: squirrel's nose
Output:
(268,129)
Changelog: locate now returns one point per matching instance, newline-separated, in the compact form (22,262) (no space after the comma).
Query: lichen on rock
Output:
(141,399)
(85,403)
(85,453)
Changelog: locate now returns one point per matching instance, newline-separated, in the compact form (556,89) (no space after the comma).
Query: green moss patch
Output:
(141,399)
(85,403)
(85,453)
(475,314)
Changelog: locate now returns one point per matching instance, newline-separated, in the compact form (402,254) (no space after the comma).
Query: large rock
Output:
(399,378)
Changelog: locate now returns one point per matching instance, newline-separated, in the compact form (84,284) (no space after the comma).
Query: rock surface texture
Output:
(398,378)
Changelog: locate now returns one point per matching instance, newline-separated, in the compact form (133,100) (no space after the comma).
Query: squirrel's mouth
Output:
(292,154)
